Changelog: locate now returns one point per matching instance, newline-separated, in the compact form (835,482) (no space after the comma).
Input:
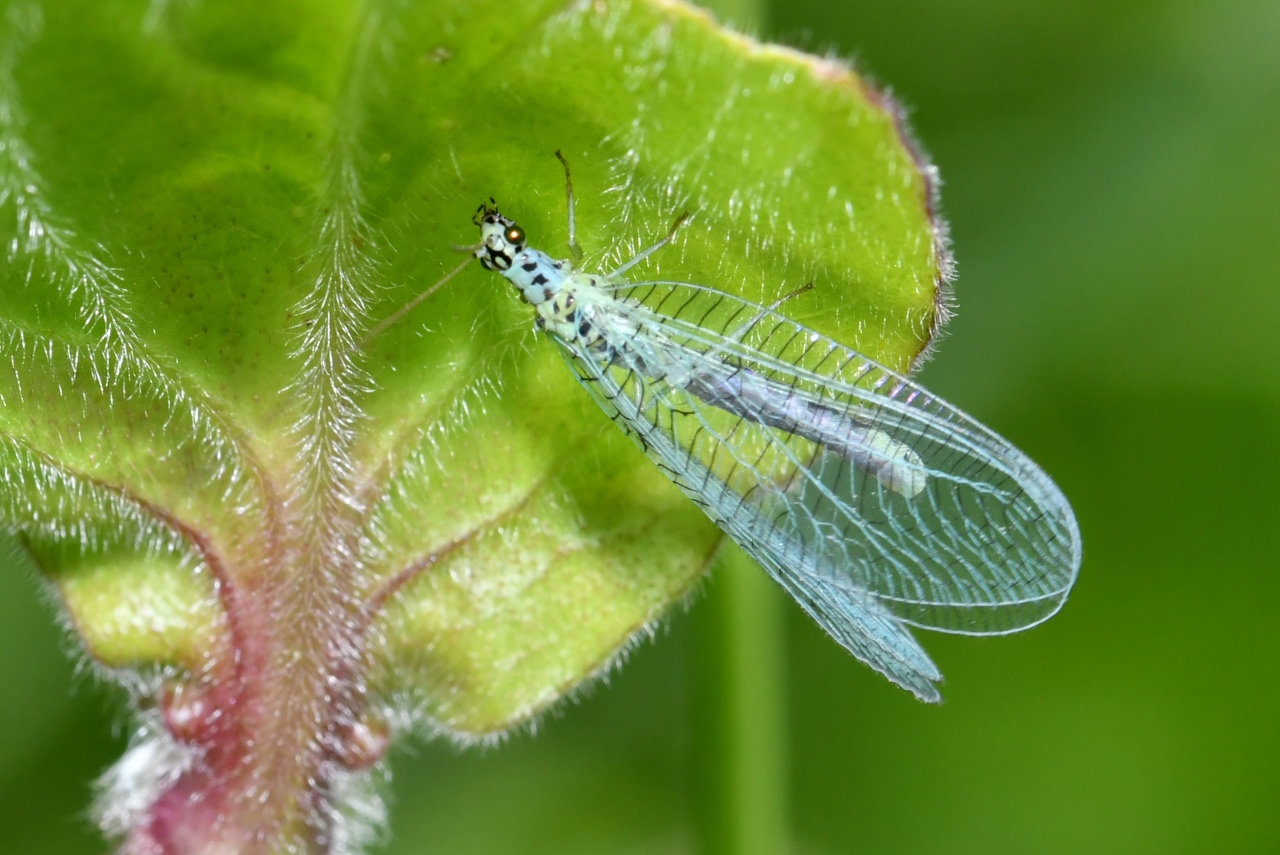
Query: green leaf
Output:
(208,206)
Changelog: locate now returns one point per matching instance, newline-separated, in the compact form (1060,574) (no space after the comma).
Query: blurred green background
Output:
(1113,184)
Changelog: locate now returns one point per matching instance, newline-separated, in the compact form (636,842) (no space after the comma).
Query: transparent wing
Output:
(857,489)
(853,617)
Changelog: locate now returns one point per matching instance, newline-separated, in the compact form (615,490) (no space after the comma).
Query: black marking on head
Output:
(540,279)
(497,259)
(529,266)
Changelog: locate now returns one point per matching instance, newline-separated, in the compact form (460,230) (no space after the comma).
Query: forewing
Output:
(678,439)
(980,541)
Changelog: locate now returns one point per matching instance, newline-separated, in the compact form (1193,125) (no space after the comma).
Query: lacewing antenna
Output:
(408,307)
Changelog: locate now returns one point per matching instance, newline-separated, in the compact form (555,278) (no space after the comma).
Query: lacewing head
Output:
(500,238)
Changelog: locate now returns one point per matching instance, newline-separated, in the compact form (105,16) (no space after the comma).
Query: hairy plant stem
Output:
(268,724)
